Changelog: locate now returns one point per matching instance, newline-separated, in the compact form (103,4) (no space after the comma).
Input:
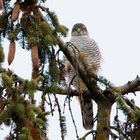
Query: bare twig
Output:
(61,118)
(73,118)
(120,132)
(88,133)
(64,105)
(130,103)
(50,104)
(131,86)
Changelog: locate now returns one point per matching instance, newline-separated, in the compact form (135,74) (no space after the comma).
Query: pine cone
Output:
(34,56)
(11,54)
(35,133)
(16,11)
(1,4)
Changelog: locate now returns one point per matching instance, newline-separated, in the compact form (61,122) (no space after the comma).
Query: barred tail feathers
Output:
(87,112)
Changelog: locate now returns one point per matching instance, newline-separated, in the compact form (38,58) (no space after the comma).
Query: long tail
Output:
(87,112)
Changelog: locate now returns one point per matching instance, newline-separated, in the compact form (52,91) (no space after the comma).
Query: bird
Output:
(86,50)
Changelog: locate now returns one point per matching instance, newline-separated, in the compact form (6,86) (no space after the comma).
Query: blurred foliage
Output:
(30,24)
(128,129)
(1,55)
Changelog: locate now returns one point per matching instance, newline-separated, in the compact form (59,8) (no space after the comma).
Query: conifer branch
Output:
(131,86)
(43,37)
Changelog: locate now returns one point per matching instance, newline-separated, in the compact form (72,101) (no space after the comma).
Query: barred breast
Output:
(93,57)
(89,47)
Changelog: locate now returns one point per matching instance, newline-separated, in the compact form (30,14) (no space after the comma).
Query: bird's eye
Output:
(83,28)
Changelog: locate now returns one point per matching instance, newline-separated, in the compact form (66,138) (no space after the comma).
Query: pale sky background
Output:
(115,26)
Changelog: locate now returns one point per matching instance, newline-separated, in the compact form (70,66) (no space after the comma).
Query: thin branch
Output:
(64,105)
(61,119)
(42,8)
(120,132)
(130,103)
(88,133)
(131,86)
(73,118)
(50,104)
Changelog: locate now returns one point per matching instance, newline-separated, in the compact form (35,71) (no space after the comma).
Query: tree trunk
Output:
(103,122)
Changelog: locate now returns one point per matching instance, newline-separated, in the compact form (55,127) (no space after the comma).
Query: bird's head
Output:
(79,29)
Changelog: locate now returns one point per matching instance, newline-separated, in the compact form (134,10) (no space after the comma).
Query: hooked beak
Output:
(79,31)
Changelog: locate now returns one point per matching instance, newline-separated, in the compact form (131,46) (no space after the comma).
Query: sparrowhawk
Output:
(85,50)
